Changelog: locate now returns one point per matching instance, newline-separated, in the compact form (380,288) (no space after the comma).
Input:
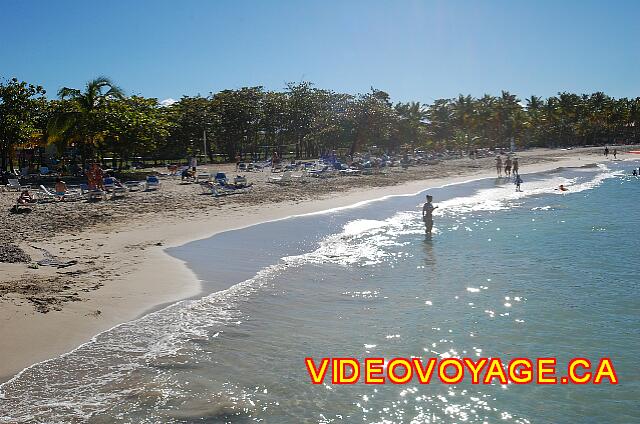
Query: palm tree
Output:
(534,120)
(464,115)
(411,118)
(509,117)
(78,120)
(487,120)
(441,128)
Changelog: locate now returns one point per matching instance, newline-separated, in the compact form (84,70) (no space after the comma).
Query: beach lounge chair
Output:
(221,178)
(217,190)
(44,194)
(14,185)
(112,185)
(152,183)
(350,171)
(73,193)
(284,178)
(134,185)
(203,176)
(95,194)
(44,171)
(240,181)
(206,187)
(324,172)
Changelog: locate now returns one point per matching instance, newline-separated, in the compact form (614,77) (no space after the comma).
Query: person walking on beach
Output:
(615,153)
(518,182)
(507,167)
(499,166)
(515,166)
(606,151)
(427,214)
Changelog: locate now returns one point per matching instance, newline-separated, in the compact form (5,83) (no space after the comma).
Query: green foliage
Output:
(79,115)
(302,119)
(22,106)
(134,126)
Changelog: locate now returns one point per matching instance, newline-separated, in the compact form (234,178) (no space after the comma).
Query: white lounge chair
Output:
(217,190)
(92,194)
(134,185)
(350,171)
(284,178)
(45,194)
(152,183)
(112,185)
(240,180)
(14,185)
(203,176)
(324,172)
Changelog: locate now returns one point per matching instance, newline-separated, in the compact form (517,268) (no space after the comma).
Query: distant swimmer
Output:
(634,173)
(518,182)
(562,188)
(499,165)
(427,214)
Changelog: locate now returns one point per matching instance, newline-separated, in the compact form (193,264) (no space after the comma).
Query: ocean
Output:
(537,273)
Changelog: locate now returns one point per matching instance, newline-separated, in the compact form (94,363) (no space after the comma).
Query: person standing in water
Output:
(507,167)
(427,214)
(518,182)
(499,166)
(615,154)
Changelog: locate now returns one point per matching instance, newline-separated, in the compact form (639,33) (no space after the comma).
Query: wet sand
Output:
(120,268)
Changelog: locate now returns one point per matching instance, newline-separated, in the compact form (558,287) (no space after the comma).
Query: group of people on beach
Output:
(511,168)
(606,152)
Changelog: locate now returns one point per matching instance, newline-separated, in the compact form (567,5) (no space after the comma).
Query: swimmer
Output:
(562,188)
(427,214)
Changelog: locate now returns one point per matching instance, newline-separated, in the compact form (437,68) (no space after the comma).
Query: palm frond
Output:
(66,92)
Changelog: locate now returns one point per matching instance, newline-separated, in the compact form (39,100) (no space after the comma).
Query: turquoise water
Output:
(506,274)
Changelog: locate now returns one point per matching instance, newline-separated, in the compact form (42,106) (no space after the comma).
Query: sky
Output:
(416,50)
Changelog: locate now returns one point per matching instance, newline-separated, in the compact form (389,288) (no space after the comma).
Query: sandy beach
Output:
(119,267)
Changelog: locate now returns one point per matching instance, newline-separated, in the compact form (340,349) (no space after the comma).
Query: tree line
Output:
(100,121)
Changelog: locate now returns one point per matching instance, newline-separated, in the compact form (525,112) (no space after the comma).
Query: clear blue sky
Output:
(415,50)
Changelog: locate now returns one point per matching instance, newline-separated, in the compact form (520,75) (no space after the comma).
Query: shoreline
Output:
(144,277)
